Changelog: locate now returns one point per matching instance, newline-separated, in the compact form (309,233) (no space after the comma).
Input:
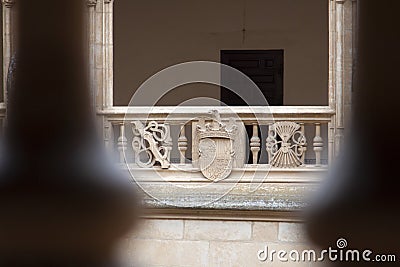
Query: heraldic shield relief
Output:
(216,147)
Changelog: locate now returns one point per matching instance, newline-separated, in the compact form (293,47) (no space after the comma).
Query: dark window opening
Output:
(264,68)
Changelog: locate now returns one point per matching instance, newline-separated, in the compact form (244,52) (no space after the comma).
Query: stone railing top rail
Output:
(247,114)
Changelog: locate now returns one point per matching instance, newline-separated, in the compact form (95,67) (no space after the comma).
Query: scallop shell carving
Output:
(287,150)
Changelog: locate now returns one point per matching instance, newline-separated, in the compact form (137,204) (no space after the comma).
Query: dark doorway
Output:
(265,69)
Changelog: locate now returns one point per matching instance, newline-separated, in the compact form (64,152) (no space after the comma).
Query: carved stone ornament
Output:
(8,3)
(148,143)
(91,3)
(287,151)
(216,147)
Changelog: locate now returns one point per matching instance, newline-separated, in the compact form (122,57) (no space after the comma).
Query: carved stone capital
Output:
(108,1)
(8,3)
(91,3)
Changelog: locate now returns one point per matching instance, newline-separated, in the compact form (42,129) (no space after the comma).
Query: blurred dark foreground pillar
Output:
(61,202)
(360,201)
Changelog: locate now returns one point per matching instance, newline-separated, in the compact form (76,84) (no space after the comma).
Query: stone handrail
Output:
(304,114)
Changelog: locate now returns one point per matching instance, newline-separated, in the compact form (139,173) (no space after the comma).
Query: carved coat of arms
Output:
(216,147)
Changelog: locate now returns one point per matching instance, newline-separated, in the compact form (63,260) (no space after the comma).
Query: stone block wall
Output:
(162,242)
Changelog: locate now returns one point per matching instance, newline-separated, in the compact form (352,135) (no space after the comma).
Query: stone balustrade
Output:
(225,158)
(228,158)
(282,137)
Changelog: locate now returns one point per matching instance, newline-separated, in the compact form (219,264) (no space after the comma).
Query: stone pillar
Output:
(350,52)
(339,75)
(332,95)
(102,58)
(103,53)
(7,41)
(92,41)
(342,17)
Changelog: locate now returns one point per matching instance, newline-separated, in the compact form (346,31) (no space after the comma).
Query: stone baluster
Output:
(255,143)
(168,141)
(304,149)
(108,135)
(182,144)
(268,151)
(318,144)
(331,141)
(122,142)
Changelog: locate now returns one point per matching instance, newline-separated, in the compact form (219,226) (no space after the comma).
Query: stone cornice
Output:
(278,197)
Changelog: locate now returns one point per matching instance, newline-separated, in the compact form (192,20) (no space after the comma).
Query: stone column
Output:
(350,52)
(101,30)
(342,17)
(332,95)
(339,75)
(92,41)
(7,41)
(103,53)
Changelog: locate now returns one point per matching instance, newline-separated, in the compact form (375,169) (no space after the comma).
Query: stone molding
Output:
(91,3)
(8,3)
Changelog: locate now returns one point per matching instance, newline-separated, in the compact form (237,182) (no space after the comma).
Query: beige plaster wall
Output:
(153,34)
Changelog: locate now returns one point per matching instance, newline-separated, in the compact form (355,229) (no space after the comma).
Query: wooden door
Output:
(265,69)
